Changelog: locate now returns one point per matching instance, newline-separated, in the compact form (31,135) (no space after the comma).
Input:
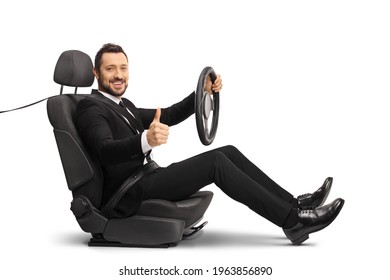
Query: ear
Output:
(96,73)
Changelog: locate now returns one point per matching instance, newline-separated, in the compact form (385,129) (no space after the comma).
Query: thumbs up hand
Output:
(158,132)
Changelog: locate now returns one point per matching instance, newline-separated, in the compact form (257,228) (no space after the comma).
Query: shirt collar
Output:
(111,97)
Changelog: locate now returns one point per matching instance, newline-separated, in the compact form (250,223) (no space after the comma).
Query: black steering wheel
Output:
(205,104)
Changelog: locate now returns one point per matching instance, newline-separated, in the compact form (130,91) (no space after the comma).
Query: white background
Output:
(305,96)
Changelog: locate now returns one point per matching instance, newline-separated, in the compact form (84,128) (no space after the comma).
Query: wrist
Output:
(146,147)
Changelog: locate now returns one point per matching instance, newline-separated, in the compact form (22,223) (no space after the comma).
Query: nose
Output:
(118,74)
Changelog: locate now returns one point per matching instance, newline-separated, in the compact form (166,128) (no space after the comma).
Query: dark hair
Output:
(107,48)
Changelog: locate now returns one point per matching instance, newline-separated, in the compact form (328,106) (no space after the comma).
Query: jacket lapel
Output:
(137,116)
(115,107)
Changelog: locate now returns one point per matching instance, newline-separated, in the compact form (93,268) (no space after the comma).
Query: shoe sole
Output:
(304,237)
(300,240)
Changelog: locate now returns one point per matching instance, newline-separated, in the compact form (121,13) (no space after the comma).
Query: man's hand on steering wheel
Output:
(216,87)
(158,133)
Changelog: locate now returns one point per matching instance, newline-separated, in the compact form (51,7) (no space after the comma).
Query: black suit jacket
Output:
(115,143)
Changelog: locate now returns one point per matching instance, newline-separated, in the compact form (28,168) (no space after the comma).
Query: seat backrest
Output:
(83,175)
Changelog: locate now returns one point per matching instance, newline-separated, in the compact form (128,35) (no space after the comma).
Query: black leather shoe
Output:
(312,220)
(317,198)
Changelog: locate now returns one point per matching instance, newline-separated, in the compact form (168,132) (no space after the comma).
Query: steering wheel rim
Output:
(204,105)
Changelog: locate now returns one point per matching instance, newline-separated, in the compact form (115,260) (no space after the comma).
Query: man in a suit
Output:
(120,137)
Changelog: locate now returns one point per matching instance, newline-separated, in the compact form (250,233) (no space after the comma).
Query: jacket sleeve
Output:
(93,123)
(172,115)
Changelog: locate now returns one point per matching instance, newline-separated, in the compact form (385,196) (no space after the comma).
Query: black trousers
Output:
(232,172)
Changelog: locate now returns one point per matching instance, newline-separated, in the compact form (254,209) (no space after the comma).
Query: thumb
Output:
(157,115)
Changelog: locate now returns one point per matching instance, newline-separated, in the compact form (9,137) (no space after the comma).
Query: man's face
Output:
(113,74)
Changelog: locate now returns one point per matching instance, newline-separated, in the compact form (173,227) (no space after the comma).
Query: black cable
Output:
(25,106)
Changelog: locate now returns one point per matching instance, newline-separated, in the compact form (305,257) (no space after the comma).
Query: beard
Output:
(106,88)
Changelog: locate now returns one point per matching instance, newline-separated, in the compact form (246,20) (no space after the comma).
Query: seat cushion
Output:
(191,210)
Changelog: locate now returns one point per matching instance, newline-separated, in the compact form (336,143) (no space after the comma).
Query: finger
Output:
(217,83)
(161,138)
(157,115)
(158,126)
(218,80)
(162,129)
(217,87)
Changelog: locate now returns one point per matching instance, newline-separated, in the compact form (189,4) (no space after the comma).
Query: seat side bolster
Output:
(88,217)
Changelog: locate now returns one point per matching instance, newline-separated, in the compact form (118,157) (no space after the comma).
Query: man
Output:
(122,137)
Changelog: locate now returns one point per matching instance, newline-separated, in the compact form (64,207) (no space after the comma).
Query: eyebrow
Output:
(114,65)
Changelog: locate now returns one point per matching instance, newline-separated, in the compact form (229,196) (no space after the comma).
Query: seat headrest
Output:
(74,69)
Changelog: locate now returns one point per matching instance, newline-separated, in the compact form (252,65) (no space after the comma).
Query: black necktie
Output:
(133,122)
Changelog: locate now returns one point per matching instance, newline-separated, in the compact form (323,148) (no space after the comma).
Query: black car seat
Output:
(157,223)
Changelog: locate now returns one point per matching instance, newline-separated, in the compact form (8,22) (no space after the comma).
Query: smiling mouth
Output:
(118,83)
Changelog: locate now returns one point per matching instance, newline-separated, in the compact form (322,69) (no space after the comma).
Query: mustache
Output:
(118,80)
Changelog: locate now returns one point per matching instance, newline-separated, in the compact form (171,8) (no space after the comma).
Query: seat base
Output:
(101,242)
